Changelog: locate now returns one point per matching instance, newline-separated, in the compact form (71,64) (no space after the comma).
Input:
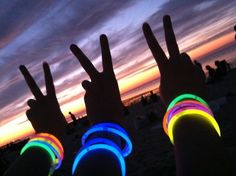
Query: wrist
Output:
(187,106)
(50,145)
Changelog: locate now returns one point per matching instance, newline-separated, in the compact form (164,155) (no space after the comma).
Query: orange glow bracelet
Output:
(49,143)
(193,113)
(186,104)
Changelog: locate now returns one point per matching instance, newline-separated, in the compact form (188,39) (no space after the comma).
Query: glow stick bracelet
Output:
(180,106)
(103,144)
(52,138)
(110,128)
(42,146)
(191,112)
(58,160)
(58,150)
(184,97)
(186,105)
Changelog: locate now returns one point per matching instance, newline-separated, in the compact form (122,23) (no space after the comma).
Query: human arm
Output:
(102,97)
(34,162)
(103,104)
(196,142)
(46,117)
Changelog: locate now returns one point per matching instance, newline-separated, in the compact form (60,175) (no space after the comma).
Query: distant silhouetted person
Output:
(154,97)
(211,74)
(221,69)
(228,66)
(73,118)
(199,65)
(143,101)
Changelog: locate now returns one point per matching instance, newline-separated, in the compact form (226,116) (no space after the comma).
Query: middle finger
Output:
(171,43)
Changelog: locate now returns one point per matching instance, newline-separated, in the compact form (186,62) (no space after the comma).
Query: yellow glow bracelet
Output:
(200,113)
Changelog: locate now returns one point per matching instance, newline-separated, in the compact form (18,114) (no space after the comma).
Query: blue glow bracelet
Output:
(100,143)
(111,128)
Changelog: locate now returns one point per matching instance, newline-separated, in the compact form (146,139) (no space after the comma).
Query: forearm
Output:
(196,136)
(34,161)
(199,149)
(40,156)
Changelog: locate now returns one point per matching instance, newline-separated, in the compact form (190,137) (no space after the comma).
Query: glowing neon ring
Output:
(96,144)
(111,128)
(181,106)
(173,113)
(164,123)
(45,139)
(186,105)
(191,112)
(52,138)
(186,96)
(42,146)
(58,160)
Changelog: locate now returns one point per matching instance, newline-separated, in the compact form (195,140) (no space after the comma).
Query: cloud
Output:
(191,23)
(35,32)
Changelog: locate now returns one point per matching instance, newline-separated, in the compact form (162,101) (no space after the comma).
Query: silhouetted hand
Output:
(102,97)
(178,73)
(44,113)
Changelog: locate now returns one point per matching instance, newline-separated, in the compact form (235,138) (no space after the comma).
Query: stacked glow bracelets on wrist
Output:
(191,105)
(104,137)
(51,145)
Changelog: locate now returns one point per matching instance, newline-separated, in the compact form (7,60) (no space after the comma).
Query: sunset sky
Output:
(36,31)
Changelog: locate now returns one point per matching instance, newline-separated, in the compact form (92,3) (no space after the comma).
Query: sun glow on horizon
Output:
(14,130)
(211,46)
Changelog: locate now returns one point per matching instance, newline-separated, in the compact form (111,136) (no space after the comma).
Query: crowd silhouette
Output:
(216,74)
(195,136)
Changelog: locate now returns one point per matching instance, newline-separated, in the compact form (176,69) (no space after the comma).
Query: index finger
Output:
(106,55)
(155,48)
(48,80)
(171,43)
(31,82)
(84,61)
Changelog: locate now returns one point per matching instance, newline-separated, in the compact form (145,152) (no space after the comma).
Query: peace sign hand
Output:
(102,97)
(44,113)
(178,73)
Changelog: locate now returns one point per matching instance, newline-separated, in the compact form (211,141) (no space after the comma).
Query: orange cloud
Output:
(211,46)
(13,131)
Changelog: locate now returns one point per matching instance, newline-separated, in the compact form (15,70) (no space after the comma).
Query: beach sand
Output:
(153,154)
